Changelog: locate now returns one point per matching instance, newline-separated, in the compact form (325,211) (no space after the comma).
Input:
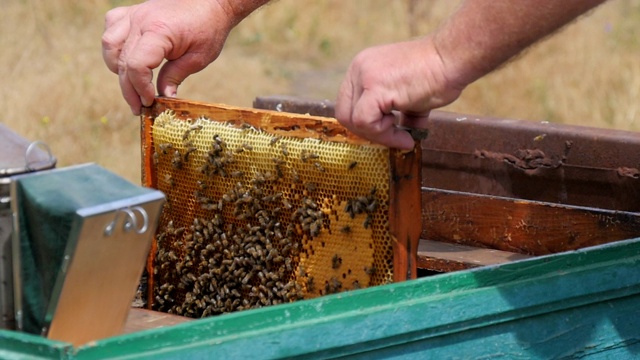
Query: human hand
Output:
(407,78)
(138,38)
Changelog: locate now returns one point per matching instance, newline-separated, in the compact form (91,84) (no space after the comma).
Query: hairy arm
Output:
(482,35)
(189,34)
(413,77)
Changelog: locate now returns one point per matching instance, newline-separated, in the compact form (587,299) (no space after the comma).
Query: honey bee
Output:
(204,169)
(345,229)
(318,166)
(314,229)
(311,286)
(352,165)
(336,261)
(296,177)
(246,127)
(285,152)
(539,137)
(333,286)
(176,162)
(275,139)
(190,149)
(311,186)
(169,180)
(373,205)
(201,184)
(367,222)
(247,277)
(165,147)
(370,270)
(301,271)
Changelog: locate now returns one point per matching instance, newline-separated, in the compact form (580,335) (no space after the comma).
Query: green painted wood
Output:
(18,345)
(570,305)
(565,305)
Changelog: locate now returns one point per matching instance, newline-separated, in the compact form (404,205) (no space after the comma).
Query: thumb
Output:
(173,73)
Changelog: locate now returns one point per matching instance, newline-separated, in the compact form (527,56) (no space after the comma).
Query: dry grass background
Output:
(56,88)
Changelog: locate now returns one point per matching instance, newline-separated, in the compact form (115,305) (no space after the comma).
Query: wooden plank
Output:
(404,210)
(540,161)
(445,257)
(287,124)
(150,180)
(520,226)
(142,319)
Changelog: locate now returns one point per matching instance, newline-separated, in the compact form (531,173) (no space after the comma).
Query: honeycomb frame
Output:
(273,164)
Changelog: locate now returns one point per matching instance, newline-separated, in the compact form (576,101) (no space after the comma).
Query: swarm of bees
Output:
(222,268)
(245,252)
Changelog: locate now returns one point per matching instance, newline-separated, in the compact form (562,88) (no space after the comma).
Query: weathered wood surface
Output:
(142,319)
(538,161)
(404,210)
(444,257)
(282,123)
(520,226)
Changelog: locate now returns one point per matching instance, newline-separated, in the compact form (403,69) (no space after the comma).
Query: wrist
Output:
(237,10)
(445,80)
(458,60)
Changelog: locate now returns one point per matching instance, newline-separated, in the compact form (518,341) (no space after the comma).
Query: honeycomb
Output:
(255,219)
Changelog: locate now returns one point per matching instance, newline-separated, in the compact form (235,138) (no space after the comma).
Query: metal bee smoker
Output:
(80,240)
(17,156)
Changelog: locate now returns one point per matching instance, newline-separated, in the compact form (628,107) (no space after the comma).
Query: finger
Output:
(344,104)
(173,73)
(392,136)
(129,93)
(113,39)
(374,121)
(146,54)
(115,15)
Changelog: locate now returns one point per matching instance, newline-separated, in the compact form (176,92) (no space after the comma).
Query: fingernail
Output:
(173,94)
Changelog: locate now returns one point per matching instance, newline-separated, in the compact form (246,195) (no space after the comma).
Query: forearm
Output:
(239,9)
(484,34)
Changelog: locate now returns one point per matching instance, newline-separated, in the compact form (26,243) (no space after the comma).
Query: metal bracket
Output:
(130,221)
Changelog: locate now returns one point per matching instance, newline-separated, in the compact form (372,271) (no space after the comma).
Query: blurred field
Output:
(56,88)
